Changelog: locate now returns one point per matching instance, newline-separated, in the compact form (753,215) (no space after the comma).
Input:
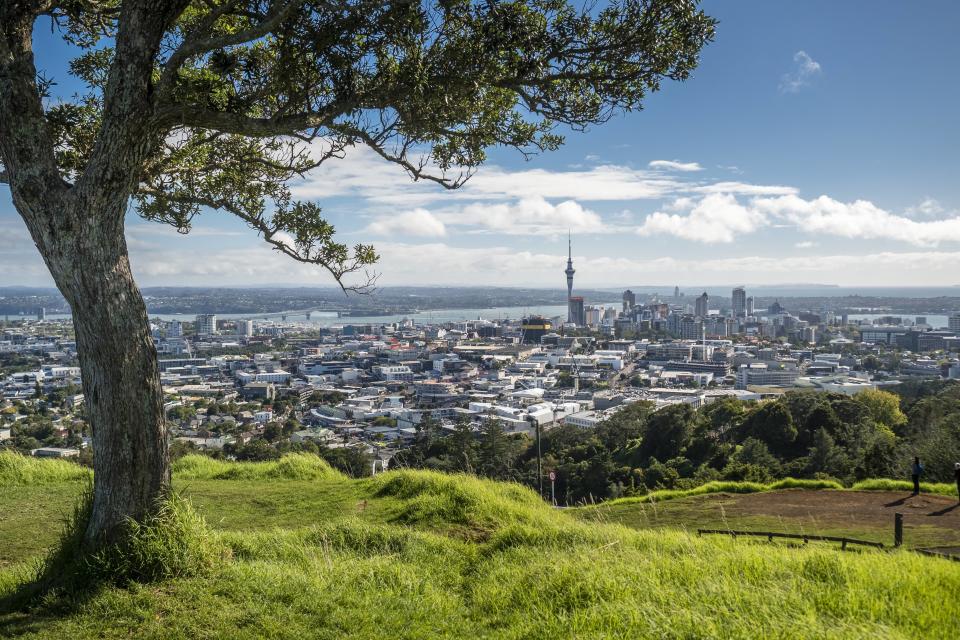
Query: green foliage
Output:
(773,424)
(238,90)
(884,407)
(801,434)
(17,470)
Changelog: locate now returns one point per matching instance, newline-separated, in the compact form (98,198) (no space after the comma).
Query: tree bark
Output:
(124,398)
(78,229)
(118,362)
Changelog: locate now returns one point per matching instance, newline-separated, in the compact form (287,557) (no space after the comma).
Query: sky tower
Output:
(570,271)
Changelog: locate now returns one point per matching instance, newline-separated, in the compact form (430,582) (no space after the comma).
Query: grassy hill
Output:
(294,549)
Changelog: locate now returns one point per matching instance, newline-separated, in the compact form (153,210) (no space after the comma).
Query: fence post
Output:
(897,529)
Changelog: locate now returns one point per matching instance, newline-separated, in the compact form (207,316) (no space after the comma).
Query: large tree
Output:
(195,105)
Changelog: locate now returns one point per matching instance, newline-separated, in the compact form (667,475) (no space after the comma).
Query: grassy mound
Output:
(417,554)
(884,484)
(297,466)
(20,470)
(362,580)
(430,498)
(728,487)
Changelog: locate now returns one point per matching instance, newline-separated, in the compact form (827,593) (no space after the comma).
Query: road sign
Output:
(553,476)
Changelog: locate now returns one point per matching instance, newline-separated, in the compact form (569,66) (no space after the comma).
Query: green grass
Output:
(413,554)
(727,487)
(883,484)
(291,467)
(18,470)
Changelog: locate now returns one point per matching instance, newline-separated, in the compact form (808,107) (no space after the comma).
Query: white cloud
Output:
(801,76)
(926,207)
(674,165)
(715,218)
(744,189)
(416,222)
(859,219)
(380,184)
(439,263)
(720,218)
(361,174)
(529,216)
(806,244)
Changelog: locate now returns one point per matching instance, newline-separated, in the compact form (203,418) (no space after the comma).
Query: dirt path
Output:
(929,520)
(862,507)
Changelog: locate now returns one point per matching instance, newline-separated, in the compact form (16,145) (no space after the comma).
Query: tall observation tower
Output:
(570,271)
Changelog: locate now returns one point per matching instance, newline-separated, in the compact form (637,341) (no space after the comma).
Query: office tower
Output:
(577,312)
(739,302)
(175,330)
(750,306)
(702,306)
(206,324)
(245,328)
(629,300)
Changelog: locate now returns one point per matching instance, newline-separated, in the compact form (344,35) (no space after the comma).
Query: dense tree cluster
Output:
(801,434)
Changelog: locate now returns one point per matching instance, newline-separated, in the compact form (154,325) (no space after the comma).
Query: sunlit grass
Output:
(428,555)
(19,470)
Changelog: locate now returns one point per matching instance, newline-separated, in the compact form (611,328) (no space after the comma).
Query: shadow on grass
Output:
(33,606)
(56,586)
(897,503)
(170,542)
(945,510)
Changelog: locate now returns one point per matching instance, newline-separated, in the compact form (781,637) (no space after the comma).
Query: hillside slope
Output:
(423,555)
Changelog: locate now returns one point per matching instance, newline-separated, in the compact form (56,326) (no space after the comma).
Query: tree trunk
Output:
(121,380)
(78,229)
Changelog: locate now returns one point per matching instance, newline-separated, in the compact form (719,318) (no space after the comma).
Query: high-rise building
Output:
(245,328)
(690,328)
(175,330)
(206,324)
(750,306)
(739,302)
(570,271)
(676,292)
(577,312)
(41,313)
(702,306)
(629,300)
(953,322)
(534,328)
(593,316)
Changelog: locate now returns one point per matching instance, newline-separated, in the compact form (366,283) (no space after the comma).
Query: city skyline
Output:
(803,168)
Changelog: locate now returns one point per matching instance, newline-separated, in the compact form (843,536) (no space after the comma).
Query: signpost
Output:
(553,499)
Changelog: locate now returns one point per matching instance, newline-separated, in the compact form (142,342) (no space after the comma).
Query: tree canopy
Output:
(233,99)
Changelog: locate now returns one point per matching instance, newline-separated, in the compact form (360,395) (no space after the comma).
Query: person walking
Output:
(917,471)
(956,474)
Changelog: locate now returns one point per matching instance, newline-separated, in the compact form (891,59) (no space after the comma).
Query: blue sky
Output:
(816,143)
